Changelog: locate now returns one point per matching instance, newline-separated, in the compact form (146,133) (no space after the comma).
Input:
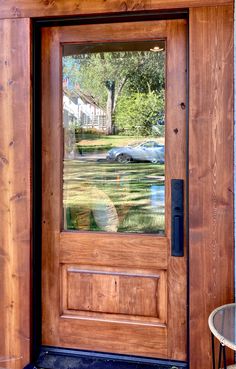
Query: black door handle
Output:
(177,217)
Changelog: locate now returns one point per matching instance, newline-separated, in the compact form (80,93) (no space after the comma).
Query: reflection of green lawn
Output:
(128,186)
(89,143)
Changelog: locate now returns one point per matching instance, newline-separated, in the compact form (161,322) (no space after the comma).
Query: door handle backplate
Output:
(177,217)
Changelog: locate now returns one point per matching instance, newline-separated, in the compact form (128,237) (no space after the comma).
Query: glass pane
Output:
(114,126)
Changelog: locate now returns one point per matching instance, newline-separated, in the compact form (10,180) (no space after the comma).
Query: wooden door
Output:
(104,289)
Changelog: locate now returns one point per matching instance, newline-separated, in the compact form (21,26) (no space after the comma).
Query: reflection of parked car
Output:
(145,151)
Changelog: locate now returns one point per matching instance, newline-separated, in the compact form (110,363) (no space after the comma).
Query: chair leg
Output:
(224,357)
(213,351)
(220,356)
(222,350)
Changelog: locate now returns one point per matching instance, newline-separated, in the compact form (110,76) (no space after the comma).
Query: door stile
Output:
(51,184)
(176,139)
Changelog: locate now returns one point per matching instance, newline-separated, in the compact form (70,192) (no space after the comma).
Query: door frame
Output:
(38,351)
(211,216)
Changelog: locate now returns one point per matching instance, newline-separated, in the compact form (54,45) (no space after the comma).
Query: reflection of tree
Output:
(140,113)
(110,86)
(107,76)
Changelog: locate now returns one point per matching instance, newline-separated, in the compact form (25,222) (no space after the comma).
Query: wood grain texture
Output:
(133,336)
(51,184)
(125,293)
(210,172)
(98,249)
(47,8)
(176,155)
(119,298)
(109,32)
(135,294)
(15,189)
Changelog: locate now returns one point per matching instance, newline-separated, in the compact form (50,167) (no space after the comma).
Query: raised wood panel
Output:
(15,190)
(47,8)
(210,172)
(112,292)
(140,293)
(98,249)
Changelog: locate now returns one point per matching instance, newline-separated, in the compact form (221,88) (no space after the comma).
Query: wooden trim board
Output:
(53,8)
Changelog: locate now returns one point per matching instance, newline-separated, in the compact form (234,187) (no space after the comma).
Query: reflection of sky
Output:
(157,196)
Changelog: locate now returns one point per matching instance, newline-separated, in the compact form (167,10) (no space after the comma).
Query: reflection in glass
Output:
(114,124)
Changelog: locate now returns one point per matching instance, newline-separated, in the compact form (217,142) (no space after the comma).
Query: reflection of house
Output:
(82,110)
(70,109)
(90,114)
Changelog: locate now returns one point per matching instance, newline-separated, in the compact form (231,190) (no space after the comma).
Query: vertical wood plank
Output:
(210,172)
(15,190)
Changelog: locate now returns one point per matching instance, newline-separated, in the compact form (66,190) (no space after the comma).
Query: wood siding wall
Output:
(15,193)
(210,164)
(210,172)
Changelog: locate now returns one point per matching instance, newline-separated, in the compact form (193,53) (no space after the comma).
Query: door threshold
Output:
(59,358)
